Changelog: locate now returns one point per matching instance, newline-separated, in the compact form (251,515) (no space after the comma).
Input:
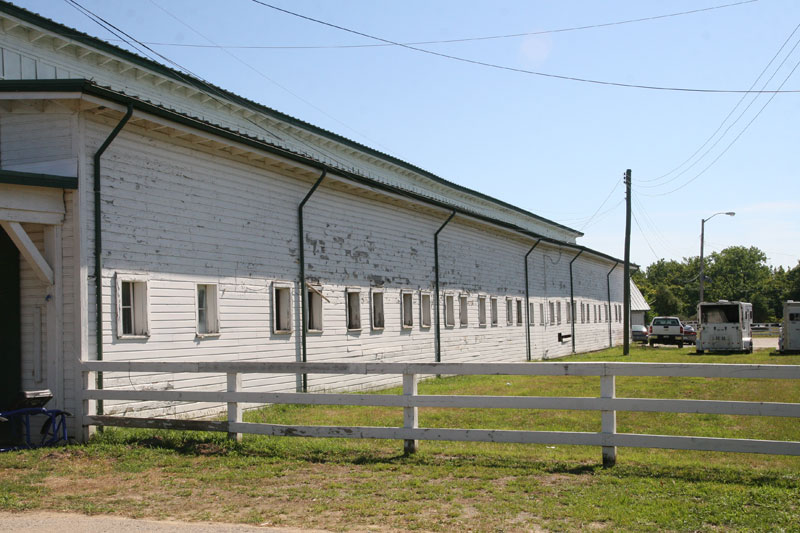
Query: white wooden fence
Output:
(607,403)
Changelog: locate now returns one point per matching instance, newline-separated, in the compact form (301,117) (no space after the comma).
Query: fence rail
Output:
(607,403)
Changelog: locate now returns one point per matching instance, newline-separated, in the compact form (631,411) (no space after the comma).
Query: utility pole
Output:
(626,312)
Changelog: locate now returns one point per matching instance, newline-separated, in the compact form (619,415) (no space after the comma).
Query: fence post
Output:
(234,412)
(410,419)
(608,420)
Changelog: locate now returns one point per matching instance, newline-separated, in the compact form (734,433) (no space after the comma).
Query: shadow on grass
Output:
(323,452)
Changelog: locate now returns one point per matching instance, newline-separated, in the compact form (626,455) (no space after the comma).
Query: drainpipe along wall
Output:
(303,386)
(608,314)
(98,247)
(438,353)
(572,299)
(528,304)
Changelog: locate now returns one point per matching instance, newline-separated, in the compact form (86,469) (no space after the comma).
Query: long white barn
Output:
(219,229)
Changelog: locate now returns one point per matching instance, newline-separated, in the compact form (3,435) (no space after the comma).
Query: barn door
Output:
(10,334)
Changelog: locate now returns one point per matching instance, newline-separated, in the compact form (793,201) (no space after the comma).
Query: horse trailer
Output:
(725,327)
(789,340)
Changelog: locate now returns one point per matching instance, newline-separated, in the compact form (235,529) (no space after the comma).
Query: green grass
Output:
(339,484)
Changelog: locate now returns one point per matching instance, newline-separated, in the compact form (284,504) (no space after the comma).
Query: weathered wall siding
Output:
(35,138)
(32,302)
(39,60)
(183,217)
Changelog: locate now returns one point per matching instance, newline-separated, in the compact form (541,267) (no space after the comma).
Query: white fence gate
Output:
(607,403)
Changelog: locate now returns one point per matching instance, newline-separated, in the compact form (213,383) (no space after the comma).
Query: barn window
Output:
(509,311)
(558,312)
(463,311)
(132,318)
(377,309)
(519,312)
(449,311)
(541,314)
(569,312)
(530,314)
(583,314)
(482,310)
(207,311)
(552,313)
(281,308)
(314,311)
(425,309)
(353,299)
(493,304)
(407,309)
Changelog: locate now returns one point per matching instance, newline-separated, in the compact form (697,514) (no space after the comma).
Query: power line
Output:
(460,40)
(514,69)
(614,188)
(644,236)
(728,116)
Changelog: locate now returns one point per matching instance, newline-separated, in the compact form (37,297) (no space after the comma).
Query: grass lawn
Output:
(370,486)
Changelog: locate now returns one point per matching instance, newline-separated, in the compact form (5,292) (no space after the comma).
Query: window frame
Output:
(463,310)
(406,324)
(314,293)
(140,315)
(212,311)
(509,311)
(279,287)
(425,310)
(449,310)
(518,305)
(481,310)
(348,314)
(494,312)
(373,301)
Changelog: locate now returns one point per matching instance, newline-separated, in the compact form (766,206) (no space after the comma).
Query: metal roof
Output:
(638,303)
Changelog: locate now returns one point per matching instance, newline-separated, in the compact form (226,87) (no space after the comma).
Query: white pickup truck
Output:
(666,330)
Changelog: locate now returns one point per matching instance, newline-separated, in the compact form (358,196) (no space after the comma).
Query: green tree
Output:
(737,273)
(792,284)
(665,302)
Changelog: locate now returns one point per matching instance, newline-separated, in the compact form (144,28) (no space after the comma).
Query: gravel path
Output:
(41,522)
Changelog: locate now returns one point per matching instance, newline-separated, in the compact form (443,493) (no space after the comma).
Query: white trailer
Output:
(789,340)
(725,327)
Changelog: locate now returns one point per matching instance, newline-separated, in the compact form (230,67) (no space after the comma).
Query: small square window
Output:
(509,311)
(493,305)
(281,308)
(314,314)
(463,311)
(482,310)
(407,308)
(207,313)
(449,311)
(378,320)
(132,316)
(425,309)
(353,298)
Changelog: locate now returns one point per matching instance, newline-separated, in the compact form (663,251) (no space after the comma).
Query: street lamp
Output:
(702,234)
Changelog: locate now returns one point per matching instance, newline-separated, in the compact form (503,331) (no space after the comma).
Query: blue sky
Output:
(555,147)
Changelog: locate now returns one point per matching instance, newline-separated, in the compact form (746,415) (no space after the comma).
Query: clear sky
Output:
(556,147)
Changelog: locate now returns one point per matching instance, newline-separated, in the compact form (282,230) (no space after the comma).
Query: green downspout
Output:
(98,248)
(572,299)
(438,353)
(303,292)
(608,317)
(528,303)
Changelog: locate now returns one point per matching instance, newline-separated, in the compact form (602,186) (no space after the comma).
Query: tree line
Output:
(672,288)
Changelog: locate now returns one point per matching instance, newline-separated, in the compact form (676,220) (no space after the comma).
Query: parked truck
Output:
(725,326)
(666,330)
(789,339)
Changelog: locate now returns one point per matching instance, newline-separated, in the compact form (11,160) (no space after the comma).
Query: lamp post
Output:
(702,235)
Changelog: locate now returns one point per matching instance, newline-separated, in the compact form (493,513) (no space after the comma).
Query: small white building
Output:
(639,307)
(147,215)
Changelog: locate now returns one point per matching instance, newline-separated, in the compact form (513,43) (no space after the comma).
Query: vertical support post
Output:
(410,418)
(626,283)
(609,419)
(234,411)
(528,304)
(608,315)
(437,329)
(572,299)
